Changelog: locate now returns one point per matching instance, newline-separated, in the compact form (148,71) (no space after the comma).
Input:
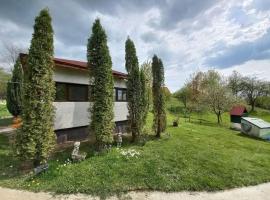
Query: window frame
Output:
(116,94)
(67,99)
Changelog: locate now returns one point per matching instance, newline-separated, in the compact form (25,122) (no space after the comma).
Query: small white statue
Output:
(75,155)
(119,139)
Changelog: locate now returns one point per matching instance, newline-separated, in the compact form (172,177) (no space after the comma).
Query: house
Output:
(71,102)
(236,113)
(255,127)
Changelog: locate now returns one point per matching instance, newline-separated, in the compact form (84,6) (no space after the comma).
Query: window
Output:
(71,92)
(61,92)
(120,94)
(77,92)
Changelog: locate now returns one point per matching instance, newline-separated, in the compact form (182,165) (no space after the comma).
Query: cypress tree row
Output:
(100,67)
(14,90)
(36,138)
(159,124)
(133,89)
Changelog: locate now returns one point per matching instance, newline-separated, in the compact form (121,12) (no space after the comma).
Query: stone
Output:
(76,155)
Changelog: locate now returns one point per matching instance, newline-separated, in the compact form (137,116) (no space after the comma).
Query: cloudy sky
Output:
(189,35)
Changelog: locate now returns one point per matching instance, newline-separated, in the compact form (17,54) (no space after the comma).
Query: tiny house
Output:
(236,113)
(255,127)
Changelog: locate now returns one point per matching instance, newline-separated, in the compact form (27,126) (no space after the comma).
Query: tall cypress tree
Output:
(36,138)
(100,67)
(160,122)
(133,89)
(14,90)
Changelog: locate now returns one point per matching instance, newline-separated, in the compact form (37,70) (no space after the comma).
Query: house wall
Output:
(265,133)
(75,114)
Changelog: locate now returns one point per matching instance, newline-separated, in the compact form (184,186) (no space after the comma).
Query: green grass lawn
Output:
(3,110)
(5,116)
(194,157)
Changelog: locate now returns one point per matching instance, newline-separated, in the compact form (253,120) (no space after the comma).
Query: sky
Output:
(188,35)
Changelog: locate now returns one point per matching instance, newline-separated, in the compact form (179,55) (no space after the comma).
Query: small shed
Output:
(255,127)
(236,113)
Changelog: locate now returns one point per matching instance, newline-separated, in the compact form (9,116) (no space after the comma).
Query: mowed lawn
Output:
(191,157)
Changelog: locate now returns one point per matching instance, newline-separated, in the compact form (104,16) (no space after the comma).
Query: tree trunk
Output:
(252,106)
(158,129)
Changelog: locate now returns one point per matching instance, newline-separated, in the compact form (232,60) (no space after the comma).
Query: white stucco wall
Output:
(75,114)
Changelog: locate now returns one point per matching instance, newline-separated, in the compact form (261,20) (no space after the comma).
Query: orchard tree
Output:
(133,90)
(235,83)
(100,67)
(36,138)
(252,89)
(217,97)
(160,120)
(14,90)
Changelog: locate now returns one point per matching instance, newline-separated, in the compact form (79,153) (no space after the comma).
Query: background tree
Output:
(10,54)
(216,95)
(4,78)
(133,89)
(160,120)
(146,67)
(144,98)
(252,89)
(100,67)
(235,82)
(14,90)
(36,138)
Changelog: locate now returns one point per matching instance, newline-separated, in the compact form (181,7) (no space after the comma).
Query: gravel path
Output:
(259,192)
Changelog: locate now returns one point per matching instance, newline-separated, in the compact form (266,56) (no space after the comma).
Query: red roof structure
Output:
(74,64)
(238,110)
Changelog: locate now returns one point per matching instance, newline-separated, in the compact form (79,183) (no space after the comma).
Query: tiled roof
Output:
(78,65)
(238,110)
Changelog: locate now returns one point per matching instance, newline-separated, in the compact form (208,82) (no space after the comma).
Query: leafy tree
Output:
(235,83)
(14,90)
(146,67)
(144,98)
(133,89)
(252,89)
(183,95)
(4,77)
(100,67)
(160,120)
(35,139)
(216,95)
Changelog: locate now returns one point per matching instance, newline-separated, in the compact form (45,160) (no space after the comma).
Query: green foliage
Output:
(146,67)
(160,123)
(4,77)
(222,156)
(14,90)
(263,102)
(134,87)
(100,67)
(144,98)
(35,139)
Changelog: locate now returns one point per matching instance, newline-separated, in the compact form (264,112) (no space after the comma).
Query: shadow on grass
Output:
(5,122)
(252,137)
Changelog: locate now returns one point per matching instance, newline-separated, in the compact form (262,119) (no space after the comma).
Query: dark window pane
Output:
(121,94)
(77,92)
(61,92)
